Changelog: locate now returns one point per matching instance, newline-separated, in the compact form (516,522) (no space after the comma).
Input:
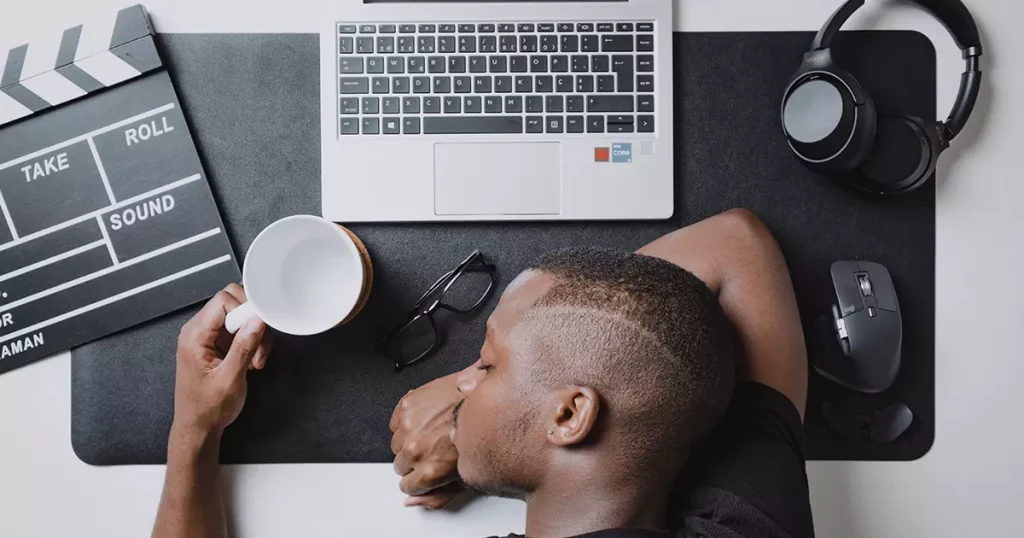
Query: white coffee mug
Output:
(303,275)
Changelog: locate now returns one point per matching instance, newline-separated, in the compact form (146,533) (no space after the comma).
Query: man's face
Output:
(493,421)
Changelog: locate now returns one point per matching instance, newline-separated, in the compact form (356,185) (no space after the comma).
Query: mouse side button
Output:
(847,288)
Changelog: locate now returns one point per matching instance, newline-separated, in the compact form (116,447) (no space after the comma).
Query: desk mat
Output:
(253,104)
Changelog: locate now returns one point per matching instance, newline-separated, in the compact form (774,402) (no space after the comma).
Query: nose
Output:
(468,379)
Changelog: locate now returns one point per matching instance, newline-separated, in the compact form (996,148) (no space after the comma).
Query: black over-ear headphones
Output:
(831,123)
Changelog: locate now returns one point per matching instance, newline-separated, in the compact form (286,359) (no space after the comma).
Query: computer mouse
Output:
(881,427)
(868,325)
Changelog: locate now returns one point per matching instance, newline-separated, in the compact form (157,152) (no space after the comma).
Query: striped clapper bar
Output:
(107,217)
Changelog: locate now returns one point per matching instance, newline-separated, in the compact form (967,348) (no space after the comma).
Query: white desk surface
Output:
(970,484)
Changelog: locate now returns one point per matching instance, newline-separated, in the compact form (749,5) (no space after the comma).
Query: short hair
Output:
(649,336)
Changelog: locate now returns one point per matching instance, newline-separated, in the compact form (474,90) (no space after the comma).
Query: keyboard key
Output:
(406,44)
(497,64)
(580,63)
(549,43)
(622,66)
(645,63)
(565,27)
(387,28)
(391,105)
(645,42)
(619,118)
(570,43)
(482,84)
(645,83)
(467,43)
(585,27)
(545,84)
(492,105)
(563,83)
(452,105)
(574,103)
(605,27)
(427,28)
(538,64)
(350,85)
(485,28)
(421,85)
(435,64)
(553,103)
(400,85)
(417,64)
(525,27)
(645,124)
(346,28)
(364,45)
(462,85)
(348,105)
(410,105)
(519,64)
(534,104)
(610,103)
(371,125)
(396,65)
(645,27)
(407,28)
(534,124)
(446,43)
(528,43)
(367,29)
(349,126)
(514,103)
(472,104)
(352,64)
(375,65)
(446,28)
(574,124)
(392,125)
(605,83)
(345,45)
(584,83)
(554,124)
(381,85)
(595,124)
(506,28)
(385,45)
(645,103)
(503,84)
(472,124)
(546,27)
(467,28)
(624,27)
(601,64)
(425,44)
(477,64)
(616,43)
(432,105)
(590,43)
(488,43)
(411,125)
(524,84)
(442,85)
(620,128)
(559,64)
(456,64)
(507,43)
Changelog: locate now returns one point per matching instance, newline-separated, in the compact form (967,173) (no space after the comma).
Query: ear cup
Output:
(903,156)
(825,125)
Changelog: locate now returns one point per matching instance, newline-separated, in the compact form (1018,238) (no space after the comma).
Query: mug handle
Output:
(239,316)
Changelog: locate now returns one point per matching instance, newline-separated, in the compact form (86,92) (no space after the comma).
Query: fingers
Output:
(259,360)
(437,499)
(243,348)
(426,478)
(205,327)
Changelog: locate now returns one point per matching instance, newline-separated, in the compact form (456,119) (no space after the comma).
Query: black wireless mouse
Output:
(868,326)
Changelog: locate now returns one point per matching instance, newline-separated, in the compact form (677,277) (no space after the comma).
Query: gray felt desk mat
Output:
(253,103)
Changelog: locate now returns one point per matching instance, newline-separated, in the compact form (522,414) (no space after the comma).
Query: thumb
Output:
(243,348)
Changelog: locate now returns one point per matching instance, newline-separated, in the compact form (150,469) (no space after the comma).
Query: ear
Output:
(576,413)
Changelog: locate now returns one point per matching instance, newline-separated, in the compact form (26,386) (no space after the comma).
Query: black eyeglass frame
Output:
(474,263)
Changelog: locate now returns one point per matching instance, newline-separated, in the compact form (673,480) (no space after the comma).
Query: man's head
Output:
(610,357)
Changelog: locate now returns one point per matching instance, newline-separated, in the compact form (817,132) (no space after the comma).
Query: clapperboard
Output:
(108,219)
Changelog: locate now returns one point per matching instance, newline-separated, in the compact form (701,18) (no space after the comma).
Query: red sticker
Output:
(601,155)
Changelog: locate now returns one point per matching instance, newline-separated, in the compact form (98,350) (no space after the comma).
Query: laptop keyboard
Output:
(496,78)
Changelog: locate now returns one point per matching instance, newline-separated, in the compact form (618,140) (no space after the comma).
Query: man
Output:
(601,387)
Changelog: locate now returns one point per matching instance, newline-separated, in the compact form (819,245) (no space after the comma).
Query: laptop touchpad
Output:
(515,178)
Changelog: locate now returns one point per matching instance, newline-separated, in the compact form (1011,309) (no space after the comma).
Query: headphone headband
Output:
(958,20)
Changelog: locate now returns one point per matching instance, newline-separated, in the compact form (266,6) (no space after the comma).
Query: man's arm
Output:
(209,392)
(737,257)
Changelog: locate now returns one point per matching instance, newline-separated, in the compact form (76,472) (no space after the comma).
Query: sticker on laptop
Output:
(622,153)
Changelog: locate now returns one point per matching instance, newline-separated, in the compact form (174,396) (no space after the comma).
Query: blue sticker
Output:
(622,153)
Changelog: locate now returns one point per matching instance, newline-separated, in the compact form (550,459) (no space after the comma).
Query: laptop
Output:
(496,111)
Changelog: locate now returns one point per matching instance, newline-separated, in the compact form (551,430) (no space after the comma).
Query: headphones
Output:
(832,126)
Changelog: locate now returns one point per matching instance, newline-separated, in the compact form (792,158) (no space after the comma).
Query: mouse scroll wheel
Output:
(865,285)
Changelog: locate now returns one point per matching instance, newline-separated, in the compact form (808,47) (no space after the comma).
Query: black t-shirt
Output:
(747,479)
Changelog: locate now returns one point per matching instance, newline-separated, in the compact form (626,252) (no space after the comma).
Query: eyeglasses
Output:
(461,290)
